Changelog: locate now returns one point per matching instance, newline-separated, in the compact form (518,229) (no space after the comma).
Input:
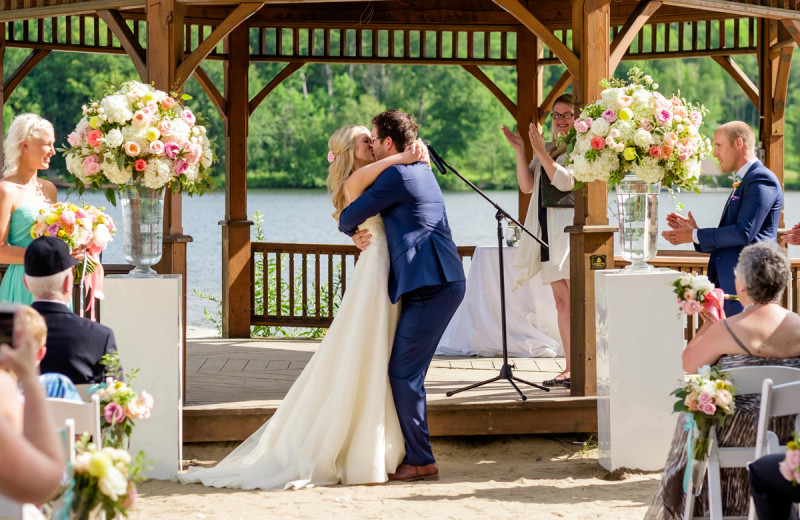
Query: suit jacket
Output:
(74,344)
(421,247)
(751,215)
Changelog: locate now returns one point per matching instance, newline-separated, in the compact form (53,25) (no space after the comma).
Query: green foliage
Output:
(271,296)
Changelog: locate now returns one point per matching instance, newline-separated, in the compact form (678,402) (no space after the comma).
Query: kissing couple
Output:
(357,413)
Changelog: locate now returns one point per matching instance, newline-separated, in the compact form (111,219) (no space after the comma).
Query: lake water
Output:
(305,216)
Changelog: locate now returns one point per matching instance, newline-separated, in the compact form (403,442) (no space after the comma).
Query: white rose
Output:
(642,138)
(599,127)
(114,138)
(102,236)
(113,484)
(117,108)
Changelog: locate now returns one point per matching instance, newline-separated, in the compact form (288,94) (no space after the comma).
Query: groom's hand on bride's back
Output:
(361,238)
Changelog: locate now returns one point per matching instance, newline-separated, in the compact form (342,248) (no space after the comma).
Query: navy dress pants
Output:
(772,494)
(424,317)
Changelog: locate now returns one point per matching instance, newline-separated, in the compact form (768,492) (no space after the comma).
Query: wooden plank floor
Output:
(234,385)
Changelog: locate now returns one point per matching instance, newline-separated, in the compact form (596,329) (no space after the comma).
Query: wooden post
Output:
(773,83)
(529,93)
(236,280)
(591,239)
(2,81)
(164,51)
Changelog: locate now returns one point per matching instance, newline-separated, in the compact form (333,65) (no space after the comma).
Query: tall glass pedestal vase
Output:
(637,204)
(142,228)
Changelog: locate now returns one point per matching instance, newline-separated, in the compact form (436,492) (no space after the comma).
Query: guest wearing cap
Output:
(75,345)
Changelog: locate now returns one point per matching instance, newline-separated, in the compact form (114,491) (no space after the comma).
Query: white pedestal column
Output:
(145,315)
(639,346)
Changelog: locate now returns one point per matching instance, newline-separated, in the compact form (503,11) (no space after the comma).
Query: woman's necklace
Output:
(748,306)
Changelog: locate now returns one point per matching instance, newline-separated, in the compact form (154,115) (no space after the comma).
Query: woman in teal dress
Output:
(28,148)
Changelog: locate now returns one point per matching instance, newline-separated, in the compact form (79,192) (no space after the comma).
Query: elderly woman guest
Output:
(551,209)
(764,333)
(28,148)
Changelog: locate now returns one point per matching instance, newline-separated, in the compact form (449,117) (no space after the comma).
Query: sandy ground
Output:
(531,477)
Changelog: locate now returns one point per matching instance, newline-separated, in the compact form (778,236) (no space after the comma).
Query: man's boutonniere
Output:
(736,184)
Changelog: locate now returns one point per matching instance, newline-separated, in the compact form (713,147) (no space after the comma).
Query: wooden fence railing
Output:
(313,277)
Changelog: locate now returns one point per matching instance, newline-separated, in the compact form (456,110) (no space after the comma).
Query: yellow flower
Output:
(50,219)
(152,134)
(147,97)
(626,114)
(95,122)
(99,463)
(629,153)
(791,445)
(60,233)
(33,233)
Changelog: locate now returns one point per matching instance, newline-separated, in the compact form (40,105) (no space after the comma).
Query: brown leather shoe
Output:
(408,473)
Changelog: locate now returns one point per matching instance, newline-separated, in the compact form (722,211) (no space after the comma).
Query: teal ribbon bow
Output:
(687,474)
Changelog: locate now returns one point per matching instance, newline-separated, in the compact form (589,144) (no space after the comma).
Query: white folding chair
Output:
(10,509)
(85,415)
(747,380)
(777,400)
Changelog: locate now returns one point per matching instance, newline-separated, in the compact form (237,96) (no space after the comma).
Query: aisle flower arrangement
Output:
(790,465)
(633,128)
(138,134)
(696,293)
(120,405)
(102,480)
(707,398)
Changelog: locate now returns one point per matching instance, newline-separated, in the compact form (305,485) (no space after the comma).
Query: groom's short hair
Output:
(398,125)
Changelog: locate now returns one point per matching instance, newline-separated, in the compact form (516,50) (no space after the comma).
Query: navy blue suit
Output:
(427,272)
(773,495)
(751,215)
(74,344)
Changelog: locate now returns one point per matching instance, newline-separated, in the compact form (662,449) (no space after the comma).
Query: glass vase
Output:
(700,456)
(142,228)
(637,205)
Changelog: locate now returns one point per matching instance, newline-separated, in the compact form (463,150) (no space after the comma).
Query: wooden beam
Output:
(561,85)
(737,8)
(72,9)
(518,11)
(529,93)
(739,76)
(781,85)
(793,26)
(487,82)
(213,93)
(24,68)
(633,25)
(191,62)
(132,47)
(277,80)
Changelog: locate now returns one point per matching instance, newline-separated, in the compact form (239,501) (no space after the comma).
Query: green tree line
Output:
(288,133)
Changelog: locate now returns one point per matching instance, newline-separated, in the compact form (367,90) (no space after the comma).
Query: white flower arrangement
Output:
(139,134)
(633,128)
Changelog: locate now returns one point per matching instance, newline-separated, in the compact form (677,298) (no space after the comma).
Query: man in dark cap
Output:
(75,345)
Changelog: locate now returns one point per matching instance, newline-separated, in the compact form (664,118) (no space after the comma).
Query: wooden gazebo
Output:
(169,40)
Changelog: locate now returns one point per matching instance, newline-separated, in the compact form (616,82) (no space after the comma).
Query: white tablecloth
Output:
(475,329)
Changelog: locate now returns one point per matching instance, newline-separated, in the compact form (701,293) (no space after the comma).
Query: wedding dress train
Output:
(338,422)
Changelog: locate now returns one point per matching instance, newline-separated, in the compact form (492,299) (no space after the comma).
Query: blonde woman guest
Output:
(28,148)
(337,424)
(551,209)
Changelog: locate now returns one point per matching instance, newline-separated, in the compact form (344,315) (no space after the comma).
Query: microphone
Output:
(435,159)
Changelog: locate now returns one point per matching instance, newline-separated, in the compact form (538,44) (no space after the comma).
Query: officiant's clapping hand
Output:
(792,237)
(682,228)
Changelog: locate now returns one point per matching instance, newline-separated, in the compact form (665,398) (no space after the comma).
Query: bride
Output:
(337,424)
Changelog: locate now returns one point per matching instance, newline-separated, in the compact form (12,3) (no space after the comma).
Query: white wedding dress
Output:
(338,422)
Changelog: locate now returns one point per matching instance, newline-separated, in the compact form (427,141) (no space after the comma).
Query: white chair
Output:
(747,380)
(10,509)
(85,415)
(776,401)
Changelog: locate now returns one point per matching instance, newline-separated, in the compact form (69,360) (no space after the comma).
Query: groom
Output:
(425,270)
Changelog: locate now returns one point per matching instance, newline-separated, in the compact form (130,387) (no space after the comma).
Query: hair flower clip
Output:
(331,156)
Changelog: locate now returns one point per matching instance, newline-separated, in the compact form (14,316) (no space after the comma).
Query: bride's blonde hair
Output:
(22,128)
(342,145)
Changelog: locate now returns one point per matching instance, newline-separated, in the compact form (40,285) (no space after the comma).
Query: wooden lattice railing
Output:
(313,278)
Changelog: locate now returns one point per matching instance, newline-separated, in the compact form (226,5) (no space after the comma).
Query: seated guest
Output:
(763,328)
(762,334)
(773,495)
(33,463)
(75,345)
(54,384)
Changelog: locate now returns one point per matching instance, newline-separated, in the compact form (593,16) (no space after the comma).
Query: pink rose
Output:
(195,153)
(167,103)
(646,125)
(704,398)
(90,165)
(663,116)
(188,117)
(588,122)
(130,497)
(676,101)
(151,107)
(655,152)
(113,413)
(597,142)
(695,117)
(165,127)
(610,116)
(68,217)
(171,149)
(580,126)
(74,139)
(140,165)
(180,166)
(94,137)
(52,229)
(666,151)
(708,408)
(670,139)
(157,147)
(661,101)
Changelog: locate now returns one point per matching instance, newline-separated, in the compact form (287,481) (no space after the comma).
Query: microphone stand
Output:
(505,371)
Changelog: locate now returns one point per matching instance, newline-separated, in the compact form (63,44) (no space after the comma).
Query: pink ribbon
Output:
(93,282)
(714,303)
